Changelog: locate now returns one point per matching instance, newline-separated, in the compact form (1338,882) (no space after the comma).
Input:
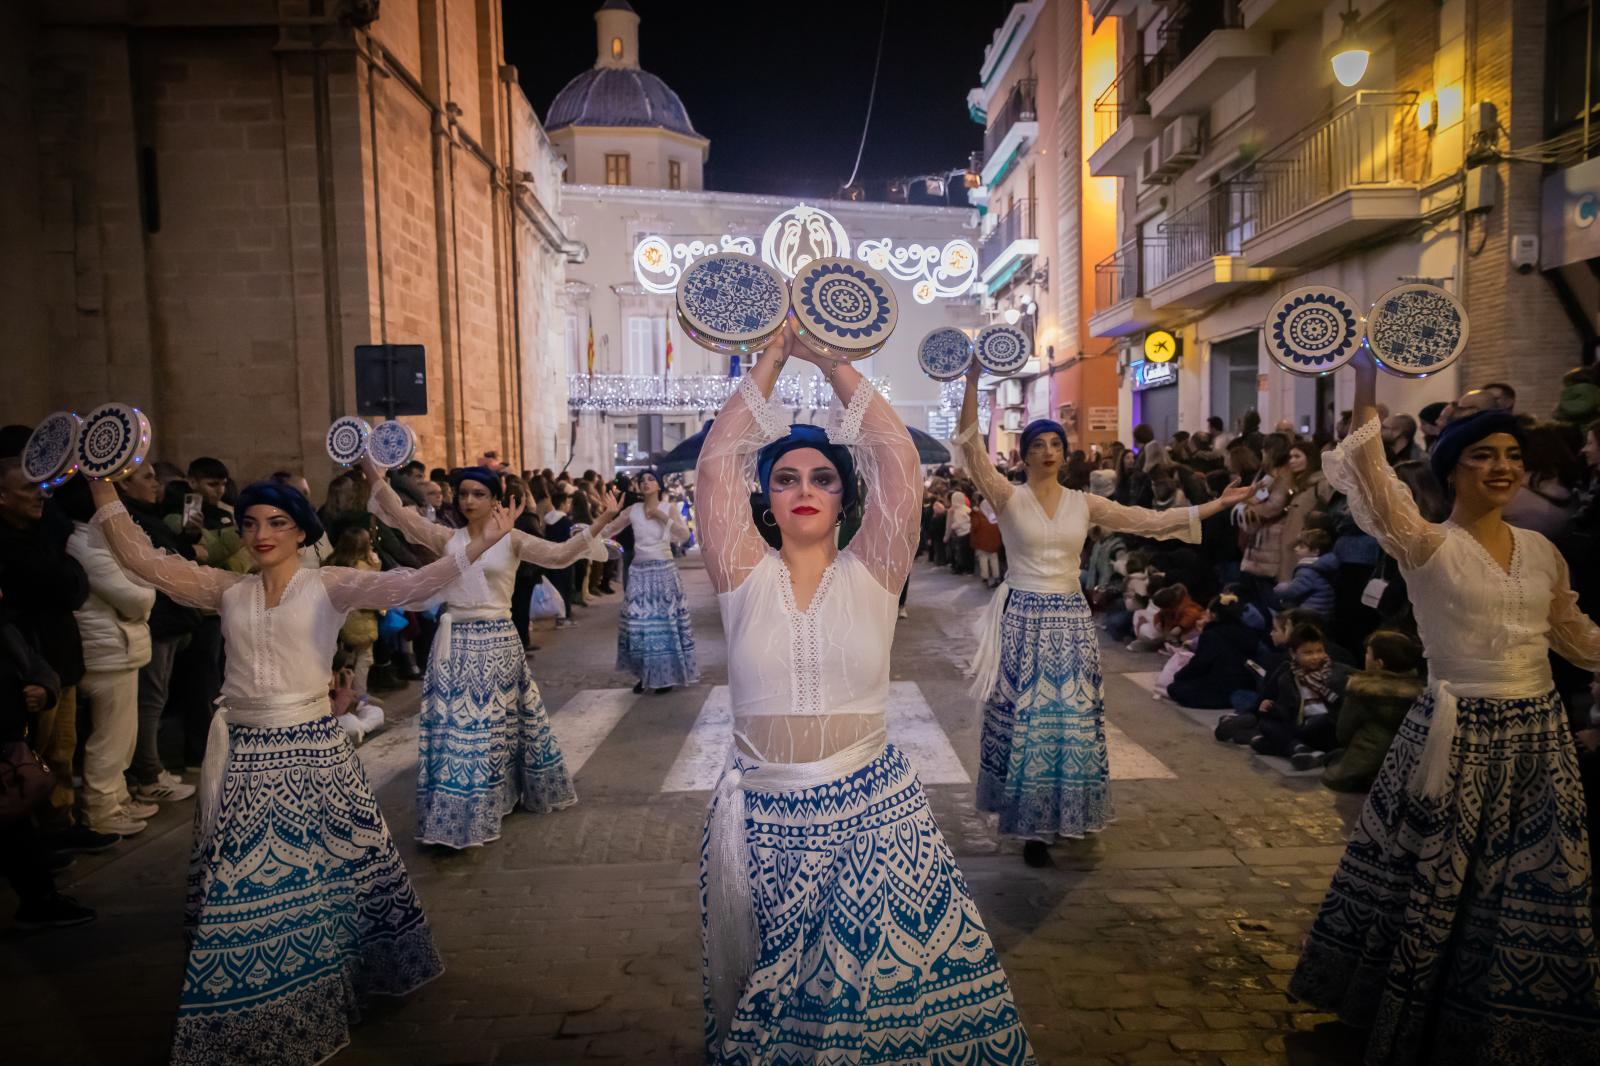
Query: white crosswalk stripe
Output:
(584,722)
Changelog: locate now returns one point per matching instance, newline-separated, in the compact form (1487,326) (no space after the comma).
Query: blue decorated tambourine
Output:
(1312,331)
(731,303)
(113,441)
(391,444)
(347,440)
(1416,330)
(842,309)
(1003,349)
(51,454)
(945,353)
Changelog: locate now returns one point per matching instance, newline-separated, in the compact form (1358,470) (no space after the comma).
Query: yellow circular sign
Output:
(1160,346)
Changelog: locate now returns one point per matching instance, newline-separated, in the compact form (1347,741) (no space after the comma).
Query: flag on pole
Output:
(668,325)
(591,344)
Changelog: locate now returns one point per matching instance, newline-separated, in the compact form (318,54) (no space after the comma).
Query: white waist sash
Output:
(984,669)
(1432,772)
(731,937)
(451,615)
(258,714)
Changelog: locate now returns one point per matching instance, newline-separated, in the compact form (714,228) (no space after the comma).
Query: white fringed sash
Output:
(451,615)
(1475,679)
(984,669)
(257,714)
(731,936)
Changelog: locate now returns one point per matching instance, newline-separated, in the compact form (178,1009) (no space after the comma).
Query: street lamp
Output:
(1350,55)
(1012,316)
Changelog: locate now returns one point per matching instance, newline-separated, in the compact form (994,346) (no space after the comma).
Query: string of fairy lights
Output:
(623,393)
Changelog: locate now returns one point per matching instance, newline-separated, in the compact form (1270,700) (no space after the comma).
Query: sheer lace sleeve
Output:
(1573,634)
(350,589)
(723,480)
(185,581)
(887,461)
(619,523)
(550,554)
(992,483)
(385,503)
(1379,503)
(1181,523)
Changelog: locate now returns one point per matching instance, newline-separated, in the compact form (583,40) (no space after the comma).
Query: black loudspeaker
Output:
(391,379)
(649,434)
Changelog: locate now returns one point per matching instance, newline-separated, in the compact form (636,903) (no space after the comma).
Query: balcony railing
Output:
(1120,275)
(1016,224)
(1192,21)
(1019,107)
(1364,143)
(1218,223)
(1129,94)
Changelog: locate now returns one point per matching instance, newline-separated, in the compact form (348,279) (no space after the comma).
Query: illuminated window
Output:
(577,345)
(674,174)
(617,170)
(647,338)
(616,48)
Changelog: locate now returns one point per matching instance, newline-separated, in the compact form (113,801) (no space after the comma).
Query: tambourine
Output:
(114,440)
(945,353)
(1312,331)
(51,455)
(842,309)
(1003,349)
(1416,330)
(391,444)
(347,440)
(731,303)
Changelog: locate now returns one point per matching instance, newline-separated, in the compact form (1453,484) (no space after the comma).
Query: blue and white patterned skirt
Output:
(1459,928)
(871,948)
(1042,757)
(484,741)
(299,906)
(655,639)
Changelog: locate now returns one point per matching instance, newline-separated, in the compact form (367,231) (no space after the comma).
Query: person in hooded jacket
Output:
(1312,585)
(1220,667)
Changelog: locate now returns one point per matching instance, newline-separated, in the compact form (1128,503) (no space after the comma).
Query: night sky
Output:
(783,106)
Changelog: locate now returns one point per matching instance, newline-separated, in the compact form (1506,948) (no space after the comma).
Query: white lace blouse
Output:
(828,662)
(652,537)
(286,650)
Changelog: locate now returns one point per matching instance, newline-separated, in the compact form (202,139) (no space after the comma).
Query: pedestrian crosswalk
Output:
(584,722)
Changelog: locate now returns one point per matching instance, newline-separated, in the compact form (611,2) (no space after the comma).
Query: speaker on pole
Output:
(391,380)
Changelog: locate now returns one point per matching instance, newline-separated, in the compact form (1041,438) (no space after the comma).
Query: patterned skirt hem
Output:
(1046,814)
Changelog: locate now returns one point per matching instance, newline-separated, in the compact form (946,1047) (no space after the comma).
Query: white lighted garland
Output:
(951,393)
(934,271)
(698,392)
(658,265)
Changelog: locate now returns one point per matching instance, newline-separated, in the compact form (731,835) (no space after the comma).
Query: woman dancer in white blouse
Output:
(484,743)
(1458,925)
(298,903)
(655,638)
(837,926)
(1042,758)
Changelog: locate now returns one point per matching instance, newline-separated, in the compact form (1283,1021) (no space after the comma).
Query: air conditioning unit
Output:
(1010,393)
(1150,164)
(1011,422)
(1180,146)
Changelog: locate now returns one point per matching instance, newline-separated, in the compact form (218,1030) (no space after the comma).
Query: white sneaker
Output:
(139,810)
(903,613)
(167,789)
(118,823)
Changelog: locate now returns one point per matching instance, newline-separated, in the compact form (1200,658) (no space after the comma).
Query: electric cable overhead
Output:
(871,96)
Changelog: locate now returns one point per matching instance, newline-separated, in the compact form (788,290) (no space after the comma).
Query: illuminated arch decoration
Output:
(802,234)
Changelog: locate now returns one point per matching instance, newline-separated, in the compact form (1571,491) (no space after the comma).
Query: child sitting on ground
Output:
(1296,702)
(1220,666)
(1376,701)
(1311,586)
(1176,616)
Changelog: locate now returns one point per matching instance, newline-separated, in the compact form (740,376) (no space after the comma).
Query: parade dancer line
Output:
(298,905)
(1458,925)
(484,744)
(655,639)
(837,926)
(1042,760)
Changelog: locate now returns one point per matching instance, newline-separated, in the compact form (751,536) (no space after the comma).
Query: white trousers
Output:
(113,697)
(988,565)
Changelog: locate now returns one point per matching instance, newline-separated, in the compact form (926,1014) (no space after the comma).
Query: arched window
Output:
(616,48)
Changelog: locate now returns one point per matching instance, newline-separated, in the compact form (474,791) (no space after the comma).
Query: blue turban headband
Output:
(286,499)
(1039,427)
(482,475)
(1463,433)
(802,435)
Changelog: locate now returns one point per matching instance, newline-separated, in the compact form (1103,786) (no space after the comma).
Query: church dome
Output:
(618,96)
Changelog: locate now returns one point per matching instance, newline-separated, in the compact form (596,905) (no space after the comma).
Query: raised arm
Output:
(385,503)
(187,582)
(1182,523)
(350,589)
(992,483)
(1573,634)
(887,460)
(727,467)
(550,554)
(1379,503)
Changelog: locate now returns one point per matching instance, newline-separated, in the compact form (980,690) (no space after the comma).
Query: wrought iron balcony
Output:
(1203,247)
(1121,306)
(1014,236)
(1122,121)
(1012,127)
(1209,51)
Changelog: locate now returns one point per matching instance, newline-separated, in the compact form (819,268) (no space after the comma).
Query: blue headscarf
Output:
(285,498)
(482,475)
(1039,427)
(1463,433)
(802,435)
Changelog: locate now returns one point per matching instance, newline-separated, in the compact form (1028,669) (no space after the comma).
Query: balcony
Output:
(1278,14)
(1015,126)
(1342,180)
(1213,52)
(1203,259)
(1013,240)
(1104,9)
(1121,307)
(1122,121)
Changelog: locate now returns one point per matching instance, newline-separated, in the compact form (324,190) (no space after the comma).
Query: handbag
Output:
(25,781)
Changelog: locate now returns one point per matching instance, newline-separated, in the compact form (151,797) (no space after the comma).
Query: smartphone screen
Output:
(192,514)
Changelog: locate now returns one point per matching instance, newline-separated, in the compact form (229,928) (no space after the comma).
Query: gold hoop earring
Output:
(768,519)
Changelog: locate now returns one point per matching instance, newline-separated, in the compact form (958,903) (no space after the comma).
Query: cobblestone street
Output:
(575,938)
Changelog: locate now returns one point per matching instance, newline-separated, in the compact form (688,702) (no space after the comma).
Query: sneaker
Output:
(163,791)
(54,911)
(79,840)
(140,810)
(638,688)
(119,823)
(903,613)
(565,623)
(1308,760)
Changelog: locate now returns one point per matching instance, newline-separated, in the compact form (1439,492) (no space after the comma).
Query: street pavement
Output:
(575,938)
